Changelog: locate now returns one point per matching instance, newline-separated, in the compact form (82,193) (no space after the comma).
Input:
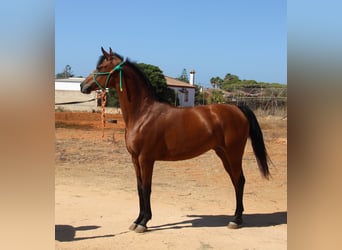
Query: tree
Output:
(216,82)
(229,79)
(158,82)
(200,95)
(112,98)
(216,97)
(184,76)
(67,72)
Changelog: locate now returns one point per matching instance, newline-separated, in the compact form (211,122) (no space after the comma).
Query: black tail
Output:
(257,139)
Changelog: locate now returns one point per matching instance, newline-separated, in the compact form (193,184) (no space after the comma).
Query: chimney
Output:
(192,77)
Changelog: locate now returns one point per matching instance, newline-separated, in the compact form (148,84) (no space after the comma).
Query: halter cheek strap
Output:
(119,68)
(108,74)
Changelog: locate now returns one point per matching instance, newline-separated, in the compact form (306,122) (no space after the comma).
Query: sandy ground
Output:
(192,201)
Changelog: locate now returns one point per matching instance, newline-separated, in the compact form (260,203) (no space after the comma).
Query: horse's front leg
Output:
(141,207)
(147,213)
(144,172)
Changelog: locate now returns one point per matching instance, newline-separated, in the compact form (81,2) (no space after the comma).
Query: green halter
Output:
(108,74)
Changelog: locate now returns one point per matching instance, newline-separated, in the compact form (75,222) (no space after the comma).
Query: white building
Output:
(184,91)
(69,97)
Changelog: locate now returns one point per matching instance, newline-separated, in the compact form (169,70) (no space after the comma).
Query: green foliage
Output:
(157,79)
(216,96)
(184,76)
(112,98)
(216,82)
(232,82)
(200,96)
(249,84)
(230,79)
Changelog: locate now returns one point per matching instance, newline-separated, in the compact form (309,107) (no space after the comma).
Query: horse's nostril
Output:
(85,88)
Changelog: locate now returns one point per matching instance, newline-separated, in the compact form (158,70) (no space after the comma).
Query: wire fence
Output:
(268,101)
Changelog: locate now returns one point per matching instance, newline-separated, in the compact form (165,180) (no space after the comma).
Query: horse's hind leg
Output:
(233,166)
(239,187)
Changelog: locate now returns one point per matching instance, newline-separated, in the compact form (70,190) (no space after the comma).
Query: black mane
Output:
(136,67)
(146,81)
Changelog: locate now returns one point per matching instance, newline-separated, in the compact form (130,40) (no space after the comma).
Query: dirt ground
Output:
(192,201)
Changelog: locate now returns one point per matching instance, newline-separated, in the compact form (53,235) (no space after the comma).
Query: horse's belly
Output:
(177,149)
(182,156)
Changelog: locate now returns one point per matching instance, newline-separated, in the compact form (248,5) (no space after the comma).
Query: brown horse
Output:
(156,131)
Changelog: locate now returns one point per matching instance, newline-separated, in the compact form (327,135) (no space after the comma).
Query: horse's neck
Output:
(135,99)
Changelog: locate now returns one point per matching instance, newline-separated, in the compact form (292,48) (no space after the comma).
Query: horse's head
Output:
(104,76)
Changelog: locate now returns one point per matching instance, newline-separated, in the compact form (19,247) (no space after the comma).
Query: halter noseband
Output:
(116,68)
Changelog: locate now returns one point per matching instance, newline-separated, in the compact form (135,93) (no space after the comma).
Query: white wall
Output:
(183,101)
(68,90)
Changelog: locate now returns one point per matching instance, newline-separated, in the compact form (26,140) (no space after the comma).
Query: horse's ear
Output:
(105,53)
(111,51)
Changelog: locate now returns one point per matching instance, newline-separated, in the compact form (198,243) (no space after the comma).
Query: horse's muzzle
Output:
(85,88)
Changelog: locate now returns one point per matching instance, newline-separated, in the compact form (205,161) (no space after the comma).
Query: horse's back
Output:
(205,119)
(227,115)
(188,132)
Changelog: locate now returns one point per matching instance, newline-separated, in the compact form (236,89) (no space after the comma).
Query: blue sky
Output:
(242,37)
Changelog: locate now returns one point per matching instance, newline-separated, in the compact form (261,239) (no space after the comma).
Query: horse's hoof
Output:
(133,227)
(233,225)
(140,229)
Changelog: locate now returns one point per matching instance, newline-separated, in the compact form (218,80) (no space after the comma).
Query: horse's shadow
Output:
(67,233)
(250,220)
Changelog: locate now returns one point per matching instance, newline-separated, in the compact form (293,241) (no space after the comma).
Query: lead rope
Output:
(103,93)
(103,105)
